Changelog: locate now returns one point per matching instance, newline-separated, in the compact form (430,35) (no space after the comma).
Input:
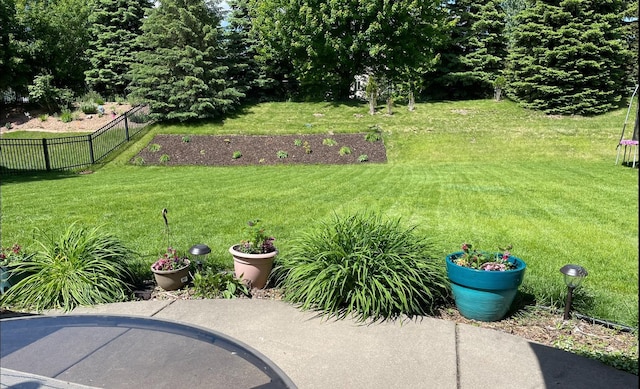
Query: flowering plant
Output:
(13,254)
(170,261)
(482,260)
(257,242)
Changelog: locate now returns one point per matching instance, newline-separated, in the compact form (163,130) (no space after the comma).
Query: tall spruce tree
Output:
(115,26)
(182,71)
(240,48)
(569,57)
(487,48)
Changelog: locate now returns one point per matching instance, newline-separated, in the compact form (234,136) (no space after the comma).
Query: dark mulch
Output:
(218,150)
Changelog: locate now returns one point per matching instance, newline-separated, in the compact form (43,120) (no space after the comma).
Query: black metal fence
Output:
(28,155)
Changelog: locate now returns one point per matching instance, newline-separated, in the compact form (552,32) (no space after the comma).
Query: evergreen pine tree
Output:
(569,57)
(181,72)
(487,48)
(240,49)
(115,26)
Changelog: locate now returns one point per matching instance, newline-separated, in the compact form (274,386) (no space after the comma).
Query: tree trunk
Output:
(372,104)
(389,106)
(412,101)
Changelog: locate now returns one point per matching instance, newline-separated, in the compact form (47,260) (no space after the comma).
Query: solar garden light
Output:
(573,276)
(200,251)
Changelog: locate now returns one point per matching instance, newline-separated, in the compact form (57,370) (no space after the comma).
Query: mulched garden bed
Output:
(218,150)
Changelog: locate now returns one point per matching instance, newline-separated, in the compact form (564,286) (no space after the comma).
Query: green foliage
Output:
(194,82)
(186,139)
(344,150)
(139,118)
(210,284)
(164,158)
(92,97)
(46,94)
(154,147)
(256,240)
(44,117)
(236,154)
(372,137)
(88,108)
(307,147)
(66,116)
(8,125)
(363,158)
(569,57)
(297,142)
(363,265)
(329,142)
(79,267)
(369,37)
(115,27)
(139,161)
(282,154)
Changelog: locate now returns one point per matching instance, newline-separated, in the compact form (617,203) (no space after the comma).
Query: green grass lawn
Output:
(483,172)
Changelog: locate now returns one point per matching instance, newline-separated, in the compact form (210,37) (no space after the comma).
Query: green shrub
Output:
(89,108)
(66,116)
(92,97)
(364,266)
(363,158)
(282,154)
(44,117)
(329,142)
(344,150)
(139,118)
(297,142)
(80,267)
(154,147)
(164,158)
(211,284)
(236,154)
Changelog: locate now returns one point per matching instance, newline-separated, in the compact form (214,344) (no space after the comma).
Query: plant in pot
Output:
(10,257)
(253,257)
(171,270)
(484,284)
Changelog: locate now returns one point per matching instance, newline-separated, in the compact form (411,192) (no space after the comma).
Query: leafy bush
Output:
(48,96)
(365,266)
(66,116)
(211,284)
(363,158)
(329,142)
(236,154)
(139,118)
(282,154)
(344,150)
(89,108)
(80,267)
(92,97)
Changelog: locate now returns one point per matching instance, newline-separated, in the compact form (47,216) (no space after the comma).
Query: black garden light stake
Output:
(166,225)
(573,276)
(199,250)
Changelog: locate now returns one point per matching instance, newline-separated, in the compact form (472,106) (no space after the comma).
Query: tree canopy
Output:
(182,72)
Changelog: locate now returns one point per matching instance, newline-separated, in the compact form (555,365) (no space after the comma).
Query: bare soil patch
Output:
(30,119)
(232,150)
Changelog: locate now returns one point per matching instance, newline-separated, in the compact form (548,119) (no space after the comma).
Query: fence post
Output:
(45,150)
(126,126)
(91,157)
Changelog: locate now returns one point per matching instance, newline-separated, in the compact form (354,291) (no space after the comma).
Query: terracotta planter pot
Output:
(253,269)
(171,279)
(484,295)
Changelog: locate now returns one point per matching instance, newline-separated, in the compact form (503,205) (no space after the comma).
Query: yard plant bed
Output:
(230,150)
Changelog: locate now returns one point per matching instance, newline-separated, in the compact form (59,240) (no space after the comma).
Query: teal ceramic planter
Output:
(484,295)
(9,277)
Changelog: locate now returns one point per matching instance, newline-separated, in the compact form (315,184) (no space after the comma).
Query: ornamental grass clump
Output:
(362,266)
(79,267)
